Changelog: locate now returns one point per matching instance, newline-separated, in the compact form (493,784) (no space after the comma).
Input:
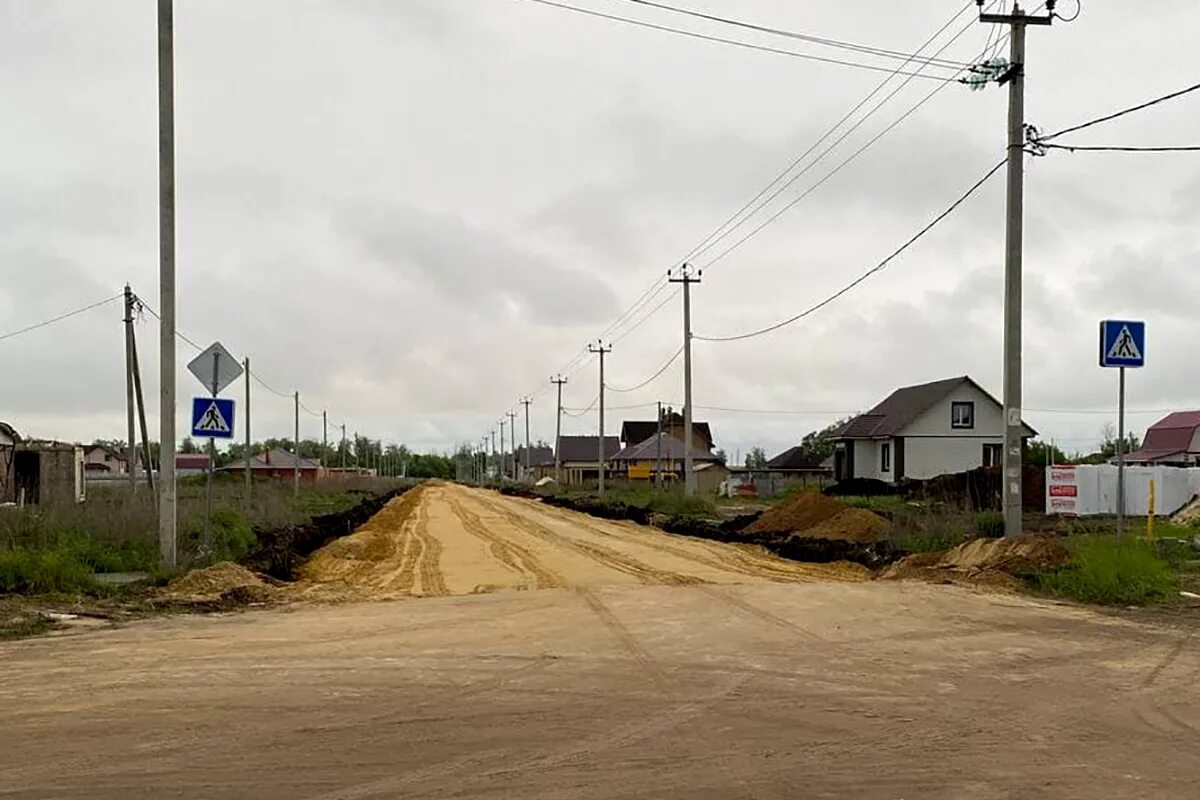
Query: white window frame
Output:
(998,449)
(955,405)
(885,458)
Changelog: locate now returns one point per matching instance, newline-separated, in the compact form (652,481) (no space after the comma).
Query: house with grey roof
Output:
(580,457)
(924,431)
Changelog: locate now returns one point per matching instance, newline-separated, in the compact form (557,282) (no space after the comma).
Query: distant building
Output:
(637,431)
(39,472)
(580,456)
(1172,441)
(282,464)
(664,456)
(923,431)
(191,464)
(104,459)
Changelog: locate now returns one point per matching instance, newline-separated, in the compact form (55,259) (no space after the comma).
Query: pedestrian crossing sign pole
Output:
(1122,346)
(212,417)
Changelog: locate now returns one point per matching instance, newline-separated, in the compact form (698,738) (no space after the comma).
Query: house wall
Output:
(60,477)
(709,480)
(866,460)
(930,457)
(989,416)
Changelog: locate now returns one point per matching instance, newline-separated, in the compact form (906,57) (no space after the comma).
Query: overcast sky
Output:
(416,211)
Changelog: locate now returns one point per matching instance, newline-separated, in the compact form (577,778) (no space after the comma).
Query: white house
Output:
(924,431)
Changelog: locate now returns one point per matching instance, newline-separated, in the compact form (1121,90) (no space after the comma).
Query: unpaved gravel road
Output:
(644,669)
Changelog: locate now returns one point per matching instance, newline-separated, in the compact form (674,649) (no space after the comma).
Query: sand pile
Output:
(222,580)
(850,525)
(989,562)
(1188,514)
(798,513)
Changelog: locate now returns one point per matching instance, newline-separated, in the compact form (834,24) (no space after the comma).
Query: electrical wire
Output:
(775,412)
(178,333)
(1078,11)
(61,317)
(580,412)
(652,378)
(727,227)
(643,320)
(733,42)
(1096,149)
(857,48)
(1122,113)
(860,279)
(828,176)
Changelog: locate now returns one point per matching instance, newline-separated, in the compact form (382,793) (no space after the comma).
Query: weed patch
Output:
(1106,571)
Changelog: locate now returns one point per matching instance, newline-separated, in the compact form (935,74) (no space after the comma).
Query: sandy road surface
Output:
(443,539)
(620,683)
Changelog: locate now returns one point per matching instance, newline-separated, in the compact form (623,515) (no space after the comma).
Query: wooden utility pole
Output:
(141,406)
(131,441)
(559,381)
(1014,429)
(601,350)
(687,279)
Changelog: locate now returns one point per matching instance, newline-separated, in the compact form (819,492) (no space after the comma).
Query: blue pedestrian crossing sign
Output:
(212,417)
(1122,343)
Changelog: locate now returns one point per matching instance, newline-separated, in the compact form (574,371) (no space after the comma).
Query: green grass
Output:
(1111,572)
(875,503)
(671,501)
(931,541)
(42,572)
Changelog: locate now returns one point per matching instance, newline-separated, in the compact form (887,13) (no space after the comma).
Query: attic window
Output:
(962,415)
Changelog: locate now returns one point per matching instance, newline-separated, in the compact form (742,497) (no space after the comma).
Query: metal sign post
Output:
(216,369)
(1122,346)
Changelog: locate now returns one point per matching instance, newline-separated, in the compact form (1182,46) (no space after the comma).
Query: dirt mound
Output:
(1188,514)
(217,581)
(994,563)
(1014,556)
(851,525)
(796,514)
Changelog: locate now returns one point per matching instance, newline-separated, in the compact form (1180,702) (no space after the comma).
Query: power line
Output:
(61,317)
(733,42)
(1122,113)
(877,268)
(651,379)
(858,48)
(1116,149)
(846,162)
(720,232)
(653,311)
(582,411)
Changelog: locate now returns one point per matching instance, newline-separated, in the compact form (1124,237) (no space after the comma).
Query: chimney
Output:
(267,456)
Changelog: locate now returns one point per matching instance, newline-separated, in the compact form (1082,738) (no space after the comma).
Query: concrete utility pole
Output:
(486,468)
(296,454)
(601,349)
(687,279)
(559,381)
(246,413)
(324,434)
(526,402)
(658,456)
(1014,428)
(343,445)
(503,466)
(512,438)
(166,280)
(131,442)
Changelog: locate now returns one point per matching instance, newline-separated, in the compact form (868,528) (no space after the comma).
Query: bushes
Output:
(1111,572)
(41,571)
(232,535)
(990,525)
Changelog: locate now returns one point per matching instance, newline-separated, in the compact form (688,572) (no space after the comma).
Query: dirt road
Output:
(442,539)
(648,667)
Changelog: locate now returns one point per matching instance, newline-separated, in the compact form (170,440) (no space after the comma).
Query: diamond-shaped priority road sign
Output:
(1122,343)
(212,417)
(215,368)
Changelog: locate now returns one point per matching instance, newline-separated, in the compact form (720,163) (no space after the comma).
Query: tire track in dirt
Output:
(1168,660)
(760,614)
(627,640)
(509,553)
(605,556)
(726,557)
(428,564)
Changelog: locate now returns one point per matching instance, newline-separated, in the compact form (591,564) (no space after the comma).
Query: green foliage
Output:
(989,524)
(820,443)
(756,458)
(1111,572)
(931,541)
(1039,453)
(232,536)
(42,571)
(887,502)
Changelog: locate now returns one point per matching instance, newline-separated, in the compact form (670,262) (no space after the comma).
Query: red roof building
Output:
(1173,440)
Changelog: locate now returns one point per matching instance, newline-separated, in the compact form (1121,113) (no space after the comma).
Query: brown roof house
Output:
(923,431)
(580,456)
(279,464)
(637,431)
(1173,441)
(644,460)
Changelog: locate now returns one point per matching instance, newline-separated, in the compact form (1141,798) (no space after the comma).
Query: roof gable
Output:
(672,449)
(637,431)
(1173,433)
(902,407)
(586,448)
(796,458)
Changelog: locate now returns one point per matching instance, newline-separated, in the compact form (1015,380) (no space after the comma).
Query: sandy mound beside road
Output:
(222,580)
(983,562)
(850,525)
(798,513)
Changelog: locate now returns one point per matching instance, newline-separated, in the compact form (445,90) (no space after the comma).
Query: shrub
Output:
(1111,572)
(990,525)
(232,535)
(40,571)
